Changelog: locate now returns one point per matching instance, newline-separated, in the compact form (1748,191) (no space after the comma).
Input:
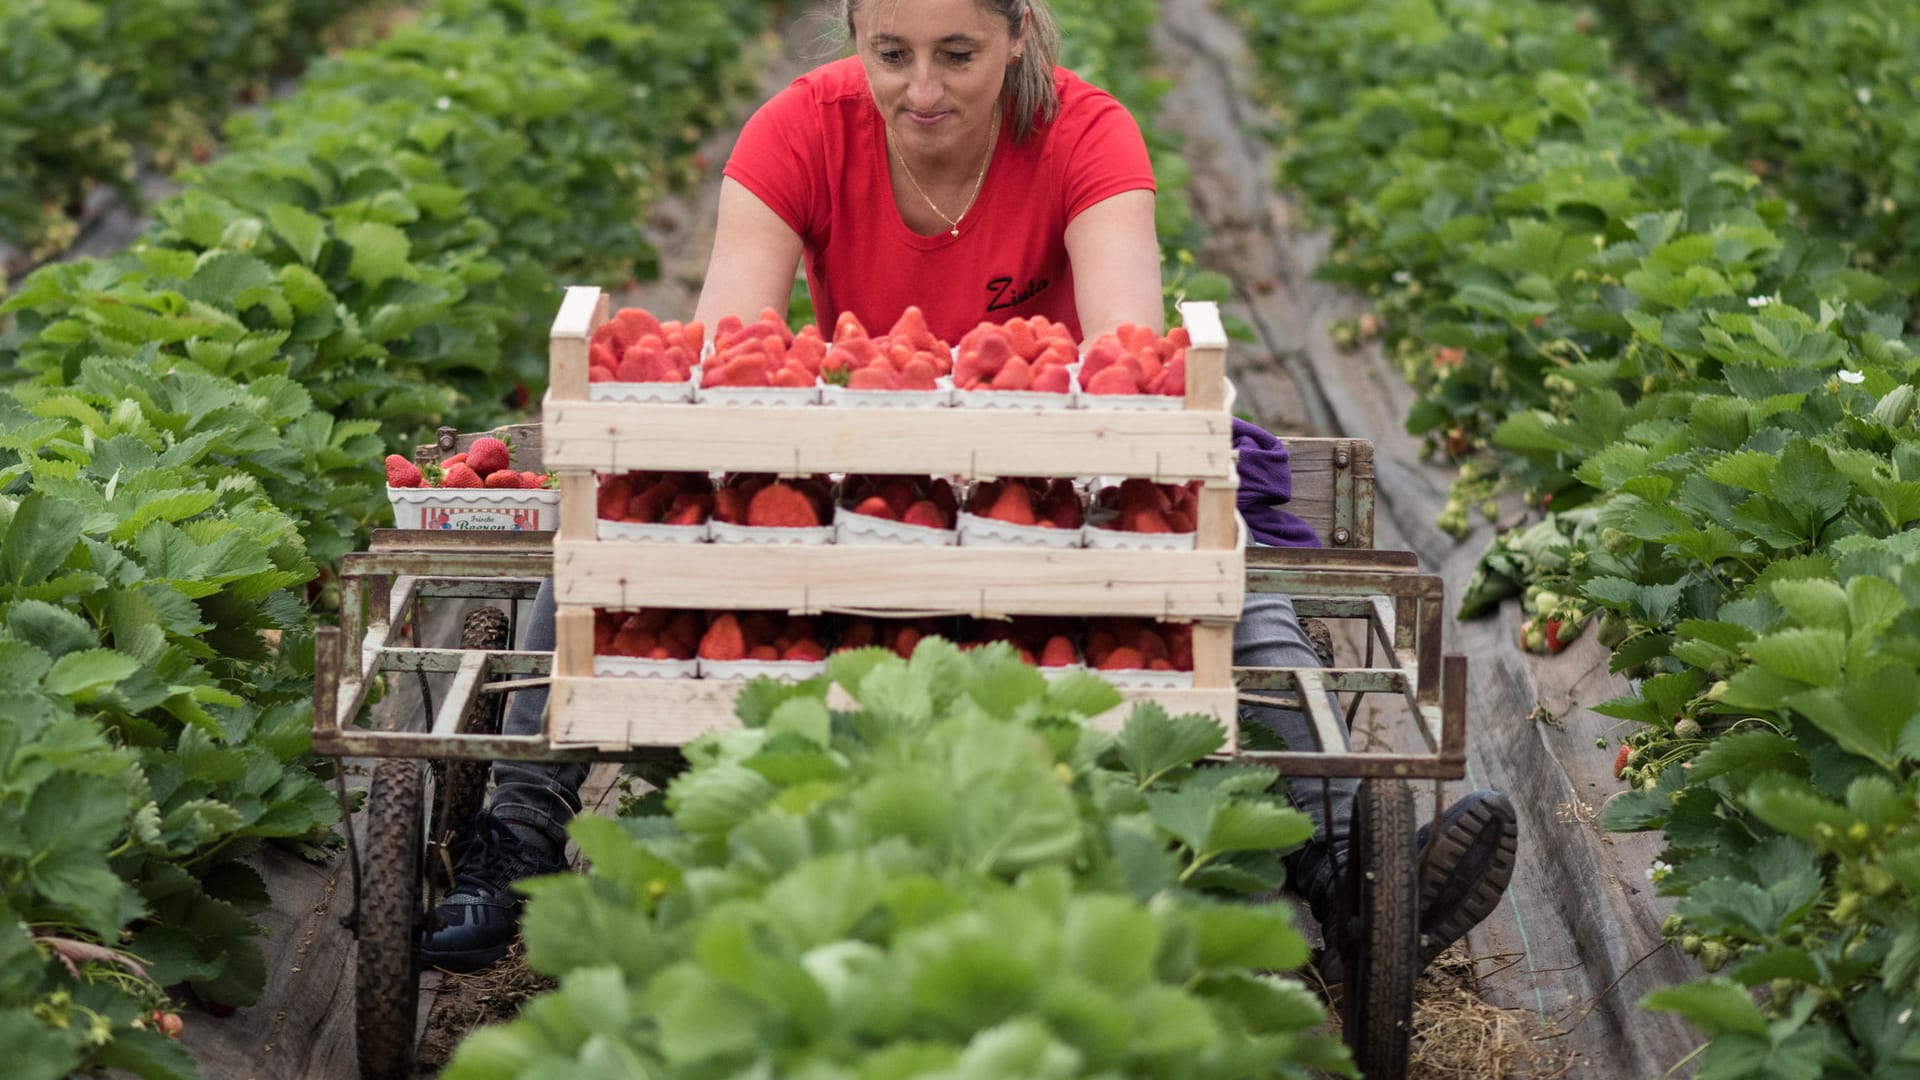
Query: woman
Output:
(950,164)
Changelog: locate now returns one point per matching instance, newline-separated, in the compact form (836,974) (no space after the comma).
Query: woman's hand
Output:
(1116,265)
(755,254)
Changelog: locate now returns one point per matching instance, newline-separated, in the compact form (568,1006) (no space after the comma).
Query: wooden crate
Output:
(1205,586)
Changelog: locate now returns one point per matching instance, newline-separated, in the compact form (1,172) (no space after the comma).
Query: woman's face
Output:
(935,68)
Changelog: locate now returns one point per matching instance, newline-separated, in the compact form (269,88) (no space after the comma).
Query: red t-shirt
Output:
(816,155)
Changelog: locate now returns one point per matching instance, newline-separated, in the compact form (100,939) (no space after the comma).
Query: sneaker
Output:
(479,917)
(1462,880)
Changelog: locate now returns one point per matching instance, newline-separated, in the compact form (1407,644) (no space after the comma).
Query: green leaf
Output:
(42,533)
(1715,1006)
(716,799)
(1110,941)
(79,675)
(1081,693)
(1152,744)
(379,252)
(1806,655)
(1259,937)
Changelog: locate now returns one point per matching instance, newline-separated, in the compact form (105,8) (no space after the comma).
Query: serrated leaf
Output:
(380,252)
(79,674)
(1261,937)
(714,800)
(1153,744)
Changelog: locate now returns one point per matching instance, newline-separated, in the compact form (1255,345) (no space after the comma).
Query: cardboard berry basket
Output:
(758,395)
(744,670)
(1028,400)
(651,393)
(724,532)
(865,529)
(652,533)
(1105,539)
(940,398)
(635,667)
(1129,402)
(475,509)
(977,531)
(1148,679)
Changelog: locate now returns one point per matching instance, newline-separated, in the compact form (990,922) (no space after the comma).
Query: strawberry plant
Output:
(1816,98)
(95,86)
(956,879)
(1719,410)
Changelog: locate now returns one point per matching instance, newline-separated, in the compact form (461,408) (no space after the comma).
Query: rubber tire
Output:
(1382,934)
(460,785)
(386,977)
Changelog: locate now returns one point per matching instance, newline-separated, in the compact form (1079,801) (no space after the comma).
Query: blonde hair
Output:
(1028,94)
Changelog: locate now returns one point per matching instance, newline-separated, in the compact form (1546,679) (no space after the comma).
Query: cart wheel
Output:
(387,991)
(1381,936)
(460,786)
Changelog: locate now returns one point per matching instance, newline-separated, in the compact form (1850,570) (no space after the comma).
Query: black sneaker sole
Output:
(1467,872)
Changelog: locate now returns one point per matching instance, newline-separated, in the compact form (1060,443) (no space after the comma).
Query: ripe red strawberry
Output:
(804,649)
(503,478)
(875,506)
(925,513)
(1058,652)
(531,480)
(1123,659)
(781,506)
(1620,761)
(461,475)
(487,455)
(1013,505)
(401,472)
(457,459)
(724,639)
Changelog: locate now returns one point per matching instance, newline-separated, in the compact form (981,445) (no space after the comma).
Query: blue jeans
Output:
(546,795)
(542,795)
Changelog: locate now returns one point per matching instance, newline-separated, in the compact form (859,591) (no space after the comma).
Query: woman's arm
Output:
(755,254)
(1116,265)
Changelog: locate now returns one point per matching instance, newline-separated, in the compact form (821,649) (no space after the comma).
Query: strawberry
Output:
(1014,505)
(402,473)
(927,514)
(460,475)
(875,506)
(503,478)
(781,506)
(804,649)
(724,640)
(1115,379)
(1620,761)
(1123,659)
(457,459)
(487,455)
(1052,379)
(532,479)
(1058,652)
(1554,642)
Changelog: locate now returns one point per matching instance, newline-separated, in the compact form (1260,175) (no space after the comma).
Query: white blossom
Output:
(1759,301)
(1864,95)
(1853,377)
(444,103)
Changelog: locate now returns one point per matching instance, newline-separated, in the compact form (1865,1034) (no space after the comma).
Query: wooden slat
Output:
(573,641)
(1219,526)
(459,697)
(978,581)
(616,713)
(1333,488)
(971,443)
(579,506)
(1206,356)
(582,311)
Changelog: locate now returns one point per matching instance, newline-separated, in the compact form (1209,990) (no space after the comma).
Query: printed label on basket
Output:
(475,509)
(977,531)
(1120,540)
(788,670)
(758,395)
(634,667)
(852,528)
(1142,679)
(727,533)
(652,533)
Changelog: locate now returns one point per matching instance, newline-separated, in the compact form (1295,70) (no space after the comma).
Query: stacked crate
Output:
(583,438)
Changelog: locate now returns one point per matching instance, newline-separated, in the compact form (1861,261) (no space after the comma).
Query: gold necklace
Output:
(953,223)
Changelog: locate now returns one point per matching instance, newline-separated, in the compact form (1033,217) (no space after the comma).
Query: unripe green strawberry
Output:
(1672,926)
(1687,727)
(1714,956)
(1894,409)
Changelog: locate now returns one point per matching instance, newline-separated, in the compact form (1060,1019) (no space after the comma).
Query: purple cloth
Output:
(1266,481)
